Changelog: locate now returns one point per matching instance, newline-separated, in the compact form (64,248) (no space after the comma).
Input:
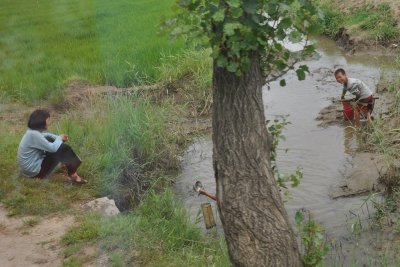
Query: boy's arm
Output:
(343,93)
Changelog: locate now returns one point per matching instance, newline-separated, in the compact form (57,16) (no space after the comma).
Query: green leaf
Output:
(233,3)
(295,36)
(236,12)
(280,64)
(222,61)
(282,83)
(229,28)
(286,55)
(281,34)
(250,6)
(309,49)
(299,217)
(233,67)
(301,75)
(304,68)
(219,15)
(285,23)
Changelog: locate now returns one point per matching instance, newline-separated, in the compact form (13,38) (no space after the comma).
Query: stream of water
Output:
(322,153)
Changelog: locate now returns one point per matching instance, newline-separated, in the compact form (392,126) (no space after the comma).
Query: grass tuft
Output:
(189,74)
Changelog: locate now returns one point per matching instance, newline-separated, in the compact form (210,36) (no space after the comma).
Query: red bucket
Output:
(348,111)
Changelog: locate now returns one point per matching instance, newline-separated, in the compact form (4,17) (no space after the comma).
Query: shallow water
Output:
(322,153)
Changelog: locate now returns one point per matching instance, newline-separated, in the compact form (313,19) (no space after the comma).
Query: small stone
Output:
(40,261)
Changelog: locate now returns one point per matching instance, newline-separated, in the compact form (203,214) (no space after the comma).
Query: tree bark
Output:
(256,225)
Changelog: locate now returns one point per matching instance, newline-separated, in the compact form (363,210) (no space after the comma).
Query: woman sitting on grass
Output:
(40,152)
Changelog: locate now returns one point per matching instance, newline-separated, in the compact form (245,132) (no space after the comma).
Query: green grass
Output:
(45,43)
(375,23)
(191,74)
(157,233)
(72,262)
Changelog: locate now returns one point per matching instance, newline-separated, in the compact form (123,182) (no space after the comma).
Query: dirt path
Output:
(27,242)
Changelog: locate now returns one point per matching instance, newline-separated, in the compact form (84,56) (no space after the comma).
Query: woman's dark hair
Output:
(37,120)
(340,71)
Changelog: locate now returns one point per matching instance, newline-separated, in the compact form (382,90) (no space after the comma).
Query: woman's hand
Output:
(64,137)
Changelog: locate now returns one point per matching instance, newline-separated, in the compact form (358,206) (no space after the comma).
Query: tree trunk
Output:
(256,225)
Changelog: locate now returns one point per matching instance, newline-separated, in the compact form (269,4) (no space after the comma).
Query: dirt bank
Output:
(347,5)
(359,33)
(357,45)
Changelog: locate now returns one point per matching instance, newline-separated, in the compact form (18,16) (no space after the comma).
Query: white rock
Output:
(104,206)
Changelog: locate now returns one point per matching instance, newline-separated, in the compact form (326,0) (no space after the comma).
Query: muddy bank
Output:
(333,113)
(355,45)
(363,27)
(362,176)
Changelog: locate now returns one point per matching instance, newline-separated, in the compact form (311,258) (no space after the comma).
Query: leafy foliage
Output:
(238,29)
(275,129)
(312,239)
(333,21)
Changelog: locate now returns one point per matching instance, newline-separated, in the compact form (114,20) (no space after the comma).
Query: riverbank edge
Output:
(353,35)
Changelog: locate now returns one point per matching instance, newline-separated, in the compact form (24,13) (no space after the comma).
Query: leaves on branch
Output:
(236,29)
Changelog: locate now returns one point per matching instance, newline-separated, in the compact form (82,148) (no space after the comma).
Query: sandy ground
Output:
(37,245)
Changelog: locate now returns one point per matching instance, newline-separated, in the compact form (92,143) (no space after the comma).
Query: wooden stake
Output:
(208,215)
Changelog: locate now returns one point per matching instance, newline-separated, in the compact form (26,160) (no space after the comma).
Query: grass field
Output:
(44,44)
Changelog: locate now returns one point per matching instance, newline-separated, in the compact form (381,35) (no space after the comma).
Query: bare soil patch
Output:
(28,242)
(363,176)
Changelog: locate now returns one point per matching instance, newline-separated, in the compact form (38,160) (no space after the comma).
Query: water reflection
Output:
(350,141)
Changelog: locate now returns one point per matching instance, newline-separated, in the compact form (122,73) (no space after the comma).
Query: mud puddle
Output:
(324,153)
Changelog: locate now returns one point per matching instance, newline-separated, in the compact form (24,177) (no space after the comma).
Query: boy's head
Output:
(341,76)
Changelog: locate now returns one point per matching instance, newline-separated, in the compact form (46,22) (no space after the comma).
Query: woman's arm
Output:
(39,141)
(52,136)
